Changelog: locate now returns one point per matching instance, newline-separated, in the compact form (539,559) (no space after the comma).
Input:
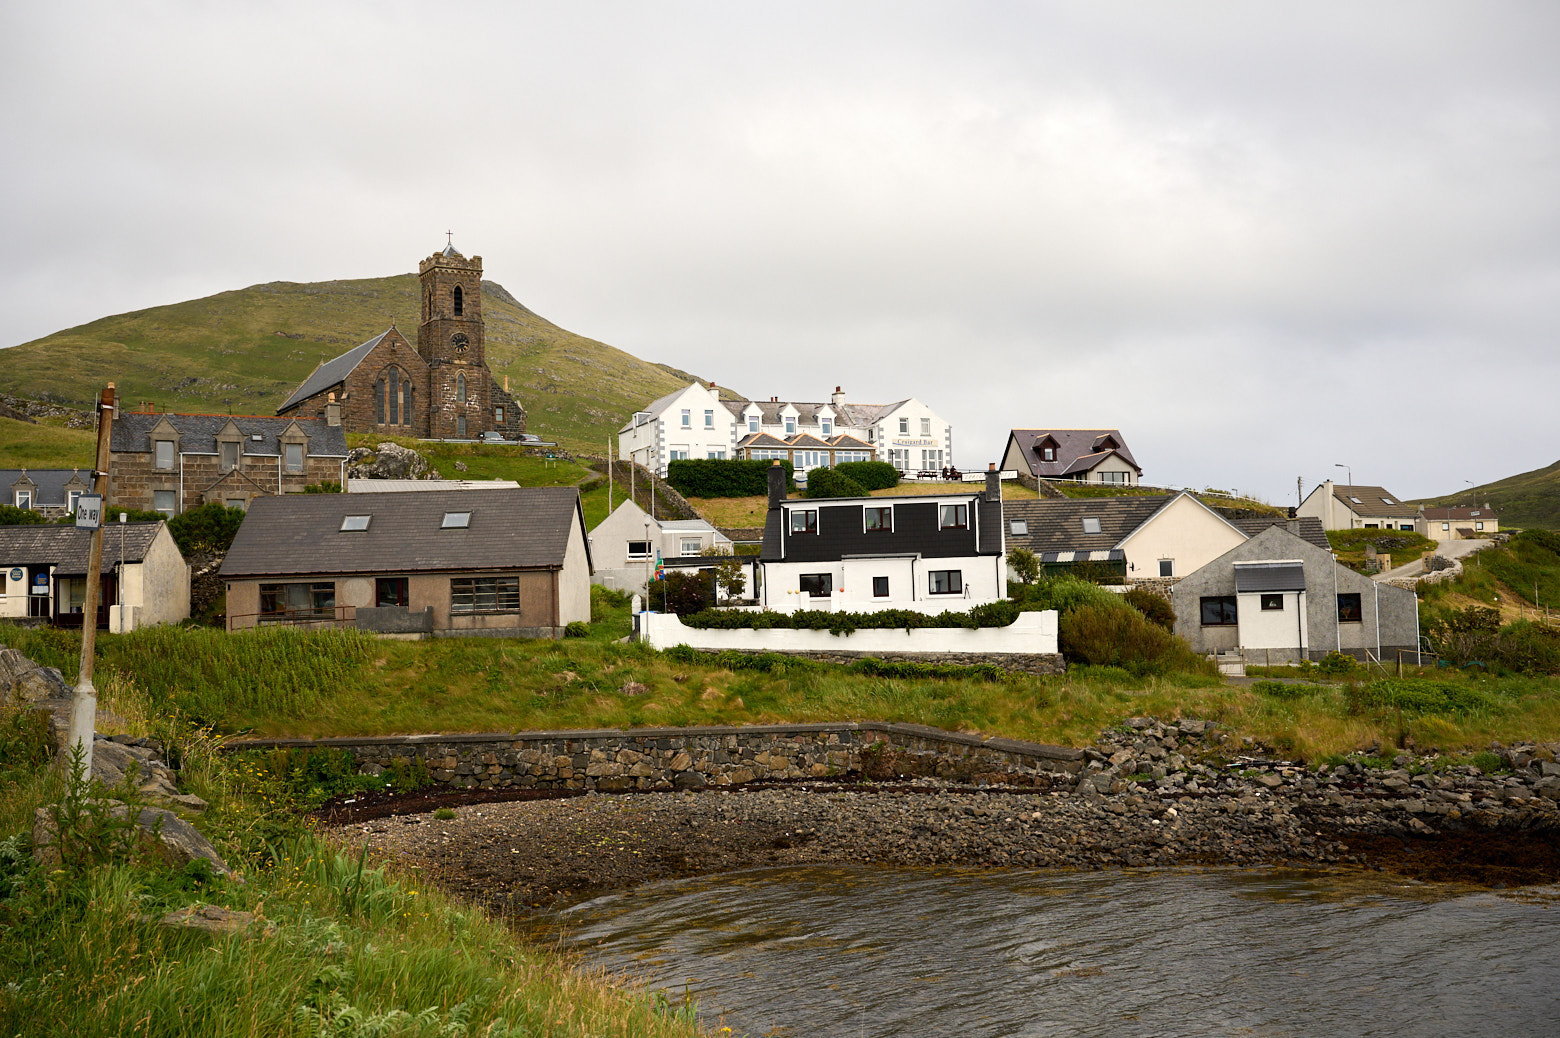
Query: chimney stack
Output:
(838,399)
(993,483)
(776,484)
(332,411)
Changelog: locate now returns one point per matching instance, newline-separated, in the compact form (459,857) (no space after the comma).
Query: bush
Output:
(1025,565)
(1114,636)
(577,629)
(1065,594)
(723,477)
(681,593)
(1155,608)
(1337,665)
(873,475)
(209,527)
(992,614)
(831,483)
(10,515)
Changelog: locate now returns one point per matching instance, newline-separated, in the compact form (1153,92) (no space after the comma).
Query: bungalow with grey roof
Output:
(1344,507)
(43,575)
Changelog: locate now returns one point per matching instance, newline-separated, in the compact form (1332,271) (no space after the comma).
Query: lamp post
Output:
(1341,465)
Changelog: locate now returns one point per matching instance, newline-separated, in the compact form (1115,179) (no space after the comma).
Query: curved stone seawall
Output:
(682,758)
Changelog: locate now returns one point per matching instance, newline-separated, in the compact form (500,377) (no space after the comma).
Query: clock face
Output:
(460,343)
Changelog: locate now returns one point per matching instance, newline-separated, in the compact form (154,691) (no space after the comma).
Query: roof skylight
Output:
(351,523)
(456,521)
(1091,524)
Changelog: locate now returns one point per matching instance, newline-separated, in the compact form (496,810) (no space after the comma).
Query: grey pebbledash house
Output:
(501,563)
(933,553)
(1279,598)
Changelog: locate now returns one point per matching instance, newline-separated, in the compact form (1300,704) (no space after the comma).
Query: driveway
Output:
(1447,549)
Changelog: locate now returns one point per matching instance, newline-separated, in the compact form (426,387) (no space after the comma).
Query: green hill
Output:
(1530,499)
(244,351)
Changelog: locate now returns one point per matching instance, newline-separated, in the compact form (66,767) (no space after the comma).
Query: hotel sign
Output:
(915,443)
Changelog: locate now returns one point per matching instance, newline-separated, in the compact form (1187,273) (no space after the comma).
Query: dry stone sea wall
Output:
(682,758)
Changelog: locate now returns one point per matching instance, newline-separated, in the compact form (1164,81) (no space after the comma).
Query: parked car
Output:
(492,436)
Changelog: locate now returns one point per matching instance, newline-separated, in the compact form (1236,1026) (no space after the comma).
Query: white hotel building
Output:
(695,423)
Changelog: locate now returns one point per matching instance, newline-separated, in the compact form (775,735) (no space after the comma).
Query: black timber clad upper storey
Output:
(841,530)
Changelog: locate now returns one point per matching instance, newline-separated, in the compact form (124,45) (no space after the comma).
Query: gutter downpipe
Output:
(1337,623)
(1376,585)
(1419,654)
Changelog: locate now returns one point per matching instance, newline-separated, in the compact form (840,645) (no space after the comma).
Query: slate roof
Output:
(849,443)
(1436,514)
(1373,503)
(1056,524)
(760,440)
(66,548)
(198,433)
(50,484)
(300,534)
(1310,528)
(332,372)
(856,416)
(1283,575)
(1077,450)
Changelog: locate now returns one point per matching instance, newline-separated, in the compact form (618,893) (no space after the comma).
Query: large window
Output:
(301,601)
(1114,477)
(164,501)
(816,585)
(690,545)
(485,595)
(804,520)
(22,498)
(292,457)
(639,550)
(880,519)
(1218,610)
(229,455)
(946,582)
(164,451)
(953,517)
(1349,609)
(391,591)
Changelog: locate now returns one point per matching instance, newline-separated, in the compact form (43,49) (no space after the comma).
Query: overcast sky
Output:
(1259,238)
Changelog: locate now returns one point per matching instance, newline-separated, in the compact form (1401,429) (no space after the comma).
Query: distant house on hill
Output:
(43,575)
(49,492)
(1081,455)
(171,463)
(628,547)
(1342,507)
(1450,524)
(440,389)
(500,563)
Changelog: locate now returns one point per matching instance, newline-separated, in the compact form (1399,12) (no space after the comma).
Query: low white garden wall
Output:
(1031,634)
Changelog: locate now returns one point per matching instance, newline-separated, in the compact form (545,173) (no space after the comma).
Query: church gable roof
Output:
(334,371)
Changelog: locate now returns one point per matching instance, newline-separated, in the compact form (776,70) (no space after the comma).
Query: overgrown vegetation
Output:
(833,483)
(1402,546)
(870,475)
(723,477)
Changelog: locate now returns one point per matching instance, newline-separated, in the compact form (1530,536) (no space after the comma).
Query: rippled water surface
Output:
(859,952)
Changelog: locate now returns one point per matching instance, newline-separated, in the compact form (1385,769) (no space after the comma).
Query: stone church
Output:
(442,389)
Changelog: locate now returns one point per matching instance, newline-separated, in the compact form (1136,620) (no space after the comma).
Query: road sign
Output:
(89,511)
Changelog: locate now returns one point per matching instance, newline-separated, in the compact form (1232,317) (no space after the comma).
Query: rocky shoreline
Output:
(1151,794)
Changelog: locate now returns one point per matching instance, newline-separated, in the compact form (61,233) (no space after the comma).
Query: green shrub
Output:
(1025,565)
(723,477)
(444,814)
(1337,665)
(832,483)
(1114,636)
(872,475)
(992,614)
(576,629)
(1155,608)
(208,527)
(1064,594)
(681,593)
(10,515)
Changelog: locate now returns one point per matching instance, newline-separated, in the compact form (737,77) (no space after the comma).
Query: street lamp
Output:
(1341,465)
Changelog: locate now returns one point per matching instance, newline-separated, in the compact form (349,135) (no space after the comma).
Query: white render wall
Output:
(651,441)
(1185,531)
(886,436)
(1274,628)
(1030,633)
(983,576)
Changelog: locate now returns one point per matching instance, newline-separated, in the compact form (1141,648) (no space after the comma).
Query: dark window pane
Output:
(1218,611)
(879,587)
(1349,609)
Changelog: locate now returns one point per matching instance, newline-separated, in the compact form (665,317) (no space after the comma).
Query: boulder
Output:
(217,921)
(161,834)
(388,461)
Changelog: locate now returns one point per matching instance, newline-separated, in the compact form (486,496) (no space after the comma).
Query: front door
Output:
(38,597)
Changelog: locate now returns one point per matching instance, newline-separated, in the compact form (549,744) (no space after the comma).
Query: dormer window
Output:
(456,521)
(826,426)
(460,301)
(1091,524)
(790,426)
(354,523)
(752,423)
(1047,453)
(292,457)
(163,452)
(229,452)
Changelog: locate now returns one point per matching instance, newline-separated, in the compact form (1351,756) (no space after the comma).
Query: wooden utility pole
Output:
(83,708)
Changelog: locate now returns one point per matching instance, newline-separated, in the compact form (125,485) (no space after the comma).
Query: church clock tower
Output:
(450,340)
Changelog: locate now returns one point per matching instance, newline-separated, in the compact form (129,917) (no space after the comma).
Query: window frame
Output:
(881,512)
(684,544)
(815,585)
(687,417)
(157,450)
(1095,521)
(1351,602)
(287,599)
(1167,565)
(904,427)
(173,507)
(1018,527)
(287,459)
(648,552)
(400,586)
(880,587)
(22,499)
(355,523)
(809,517)
(1272,601)
(472,596)
(236,447)
(709,419)
(952,579)
(961,517)
(1228,607)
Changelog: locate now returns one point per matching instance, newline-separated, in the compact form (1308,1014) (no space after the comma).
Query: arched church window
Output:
(460,304)
(406,402)
(379,402)
(393,377)
(460,388)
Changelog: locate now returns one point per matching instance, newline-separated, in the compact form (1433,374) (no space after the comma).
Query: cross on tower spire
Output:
(449,237)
